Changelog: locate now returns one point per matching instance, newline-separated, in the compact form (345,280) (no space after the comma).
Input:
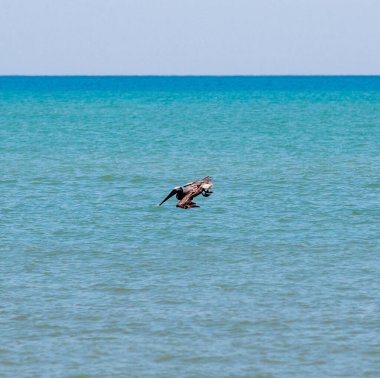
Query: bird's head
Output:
(207,186)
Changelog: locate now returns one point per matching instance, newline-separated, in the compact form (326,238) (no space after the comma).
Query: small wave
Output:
(137,179)
(373,185)
(165,358)
(106,178)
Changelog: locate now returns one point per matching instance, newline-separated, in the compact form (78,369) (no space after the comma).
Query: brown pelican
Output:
(187,192)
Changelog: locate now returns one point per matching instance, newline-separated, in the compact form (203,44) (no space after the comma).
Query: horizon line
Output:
(190,75)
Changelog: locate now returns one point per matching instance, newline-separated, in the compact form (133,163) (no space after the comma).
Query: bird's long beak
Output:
(171,194)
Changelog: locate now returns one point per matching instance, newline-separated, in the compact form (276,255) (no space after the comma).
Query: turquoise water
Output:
(276,275)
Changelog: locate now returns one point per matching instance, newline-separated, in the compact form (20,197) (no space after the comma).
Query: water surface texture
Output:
(276,275)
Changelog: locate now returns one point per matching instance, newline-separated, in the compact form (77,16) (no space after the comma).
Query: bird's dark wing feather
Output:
(171,194)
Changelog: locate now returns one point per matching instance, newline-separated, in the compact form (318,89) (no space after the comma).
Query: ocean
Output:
(277,274)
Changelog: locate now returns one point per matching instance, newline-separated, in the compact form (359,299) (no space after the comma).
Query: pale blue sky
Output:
(189,37)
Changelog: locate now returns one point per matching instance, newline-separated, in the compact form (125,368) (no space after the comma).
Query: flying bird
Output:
(187,192)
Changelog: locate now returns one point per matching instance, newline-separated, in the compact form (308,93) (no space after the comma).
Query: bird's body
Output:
(187,192)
